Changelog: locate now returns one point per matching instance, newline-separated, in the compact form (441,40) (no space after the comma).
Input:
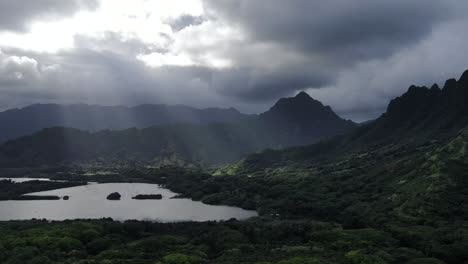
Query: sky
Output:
(352,55)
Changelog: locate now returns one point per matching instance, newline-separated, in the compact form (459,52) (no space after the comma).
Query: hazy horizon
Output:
(141,104)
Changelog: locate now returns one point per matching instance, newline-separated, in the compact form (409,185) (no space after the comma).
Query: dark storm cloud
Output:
(363,28)
(15,15)
(253,86)
(330,36)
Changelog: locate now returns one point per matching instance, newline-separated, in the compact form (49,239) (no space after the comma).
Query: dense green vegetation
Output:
(12,191)
(254,241)
(147,197)
(113,196)
(417,195)
(36,197)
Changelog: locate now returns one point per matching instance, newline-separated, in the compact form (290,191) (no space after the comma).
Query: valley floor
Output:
(279,236)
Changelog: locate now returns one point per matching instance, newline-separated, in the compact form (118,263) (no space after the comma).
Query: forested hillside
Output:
(406,173)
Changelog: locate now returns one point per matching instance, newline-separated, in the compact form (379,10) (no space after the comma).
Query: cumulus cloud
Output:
(24,80)
(340,28)
(100,77)
(15,70)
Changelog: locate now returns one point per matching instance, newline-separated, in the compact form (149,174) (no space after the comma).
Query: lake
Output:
(89,202)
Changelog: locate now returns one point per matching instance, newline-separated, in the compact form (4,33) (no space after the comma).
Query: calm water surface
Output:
(90,202)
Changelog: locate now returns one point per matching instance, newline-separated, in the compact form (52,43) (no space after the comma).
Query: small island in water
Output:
(114,196)
(35,197)
(148,197)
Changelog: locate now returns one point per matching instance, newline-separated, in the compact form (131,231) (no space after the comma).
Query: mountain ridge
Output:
(23,121)
(210,143)
(419,117)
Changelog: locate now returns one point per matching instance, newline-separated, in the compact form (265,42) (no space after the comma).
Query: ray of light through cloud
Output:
(140,19)
(239,53)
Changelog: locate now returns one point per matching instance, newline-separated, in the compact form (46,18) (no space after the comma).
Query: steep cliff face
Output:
(422,104)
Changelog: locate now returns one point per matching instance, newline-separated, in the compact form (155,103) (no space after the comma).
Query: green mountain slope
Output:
(405,173)
(412,158)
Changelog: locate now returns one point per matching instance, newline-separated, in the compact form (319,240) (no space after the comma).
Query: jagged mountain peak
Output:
(452,95)
(303,95)
(423,110)
(464,78)
(300,106)
(450,83)
(435,87)
(302,117)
